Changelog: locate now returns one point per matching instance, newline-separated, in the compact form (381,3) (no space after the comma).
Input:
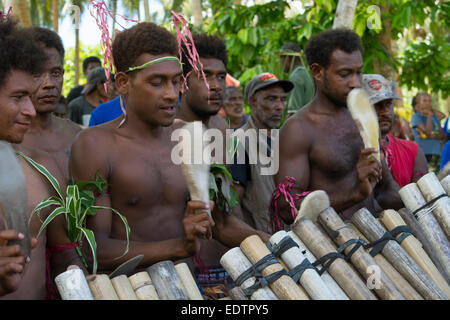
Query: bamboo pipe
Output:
(340,270)
(101,287)
(431,188)
(361,260)
(188,281)
(284,287)
(446,184)
(236,263)
(402,285)
(335,289)
(413,199)
(418,232)
(123,288)
(237,294)
(396,255)
(72,285)
(167,282)
(142,286)
(310,279)
(391,220)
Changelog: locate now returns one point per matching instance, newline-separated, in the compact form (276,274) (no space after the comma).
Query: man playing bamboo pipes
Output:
(405,159)
(153,198)
(22,62)
(320,146)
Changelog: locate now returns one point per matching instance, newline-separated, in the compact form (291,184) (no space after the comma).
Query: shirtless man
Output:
(320,146)
(133,154)
(48,132)
(21,60)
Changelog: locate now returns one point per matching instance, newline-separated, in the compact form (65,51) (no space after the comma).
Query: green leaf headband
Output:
(148,64)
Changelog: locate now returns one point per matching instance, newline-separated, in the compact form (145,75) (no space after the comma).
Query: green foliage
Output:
(426,65)
(69,65)
(76,206)
(221,188)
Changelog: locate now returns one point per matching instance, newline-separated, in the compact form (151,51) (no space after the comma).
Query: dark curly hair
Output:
(89,60)
(47,37)
(208,46)
(320,47)
(145,37)
(18,51)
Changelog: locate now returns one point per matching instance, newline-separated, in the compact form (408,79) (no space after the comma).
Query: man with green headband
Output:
(303,83)
(133,155)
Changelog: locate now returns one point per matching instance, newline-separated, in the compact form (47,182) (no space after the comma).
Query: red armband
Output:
(284,189)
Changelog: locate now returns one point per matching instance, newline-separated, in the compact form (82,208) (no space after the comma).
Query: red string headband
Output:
(100,12)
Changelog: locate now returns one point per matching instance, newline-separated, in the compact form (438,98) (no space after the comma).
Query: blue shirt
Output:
(106,112)
(428,146)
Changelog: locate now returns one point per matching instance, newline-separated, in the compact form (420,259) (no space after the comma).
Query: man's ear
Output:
(122,83)
(317,71)
(252,102)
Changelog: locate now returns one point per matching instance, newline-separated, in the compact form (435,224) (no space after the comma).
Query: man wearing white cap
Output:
(404,158)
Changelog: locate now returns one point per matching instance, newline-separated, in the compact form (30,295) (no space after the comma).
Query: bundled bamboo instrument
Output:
(397,256)
(161,281)
(195,163)
(446,184)
(402,285)
(433,192)
(415,202)
(365,117)
(391,220)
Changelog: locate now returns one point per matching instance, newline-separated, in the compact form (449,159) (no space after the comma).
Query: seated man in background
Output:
(405,160)
(427,130)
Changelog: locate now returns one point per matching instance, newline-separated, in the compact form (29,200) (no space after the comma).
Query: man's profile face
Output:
(343,74)
(197,97)
(233,103)
(16,109)
(47,96)
(152,93)
(268,105)
(385,113)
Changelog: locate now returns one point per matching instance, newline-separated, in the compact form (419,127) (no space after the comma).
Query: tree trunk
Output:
(384,39)
(345,12)
(146,10)
(55,14)
(197,12)
(77,57)
(21,10)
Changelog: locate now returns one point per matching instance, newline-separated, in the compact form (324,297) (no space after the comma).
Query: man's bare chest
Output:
(336,149)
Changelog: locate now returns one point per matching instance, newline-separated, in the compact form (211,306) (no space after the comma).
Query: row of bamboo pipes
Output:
(161,281)
(400,271)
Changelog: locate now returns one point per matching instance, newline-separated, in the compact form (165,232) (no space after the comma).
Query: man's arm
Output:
(85,160)
(293,162)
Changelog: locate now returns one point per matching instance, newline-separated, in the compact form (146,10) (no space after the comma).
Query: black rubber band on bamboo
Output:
(262,282)
(379,244)
(330,257)
(297,272)
(404,230)
(256,269)
(429,203)
(281,247)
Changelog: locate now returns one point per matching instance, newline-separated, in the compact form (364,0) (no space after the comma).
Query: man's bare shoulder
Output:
(41,157)
(66,125)
(96,136)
